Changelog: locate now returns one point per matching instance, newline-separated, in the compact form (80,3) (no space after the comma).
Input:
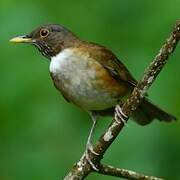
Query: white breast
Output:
(70,66)
(75,79)
(58,61)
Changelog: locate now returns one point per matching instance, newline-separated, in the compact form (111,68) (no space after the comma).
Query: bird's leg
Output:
(123,117)
(89,146)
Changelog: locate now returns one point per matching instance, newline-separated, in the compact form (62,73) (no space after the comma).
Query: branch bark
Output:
(123,173)
(82,168)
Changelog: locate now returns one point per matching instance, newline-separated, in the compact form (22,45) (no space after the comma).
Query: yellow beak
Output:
(21,39)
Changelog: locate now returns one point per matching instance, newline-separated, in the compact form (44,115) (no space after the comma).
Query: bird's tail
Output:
(147,112)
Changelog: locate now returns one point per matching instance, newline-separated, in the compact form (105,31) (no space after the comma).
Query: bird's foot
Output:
(120,117)
(89,148)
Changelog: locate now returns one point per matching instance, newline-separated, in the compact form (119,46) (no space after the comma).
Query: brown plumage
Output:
(111,78)
(89,75)
(115,77)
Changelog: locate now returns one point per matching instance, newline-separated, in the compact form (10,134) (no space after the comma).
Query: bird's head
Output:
(49,39)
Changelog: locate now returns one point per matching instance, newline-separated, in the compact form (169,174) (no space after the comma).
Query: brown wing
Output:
(111,63)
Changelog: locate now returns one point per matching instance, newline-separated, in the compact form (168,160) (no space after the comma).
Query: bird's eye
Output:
(44,33)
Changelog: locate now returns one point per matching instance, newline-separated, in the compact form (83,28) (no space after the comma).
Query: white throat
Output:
(57,61)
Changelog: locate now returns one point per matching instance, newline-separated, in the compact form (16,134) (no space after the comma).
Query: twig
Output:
(124,173)
(82,168)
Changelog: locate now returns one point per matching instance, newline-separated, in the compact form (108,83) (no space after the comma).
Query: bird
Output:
(89,75)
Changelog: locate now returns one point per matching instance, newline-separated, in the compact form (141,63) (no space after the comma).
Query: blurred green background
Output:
(41,135)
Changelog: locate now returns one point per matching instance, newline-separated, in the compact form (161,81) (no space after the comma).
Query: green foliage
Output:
(41,135)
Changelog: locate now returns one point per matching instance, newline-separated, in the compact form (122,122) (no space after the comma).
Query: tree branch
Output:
(123,173)
(82,168)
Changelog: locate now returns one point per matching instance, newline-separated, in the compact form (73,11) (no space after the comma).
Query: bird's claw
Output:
(89,148)
(119,114)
